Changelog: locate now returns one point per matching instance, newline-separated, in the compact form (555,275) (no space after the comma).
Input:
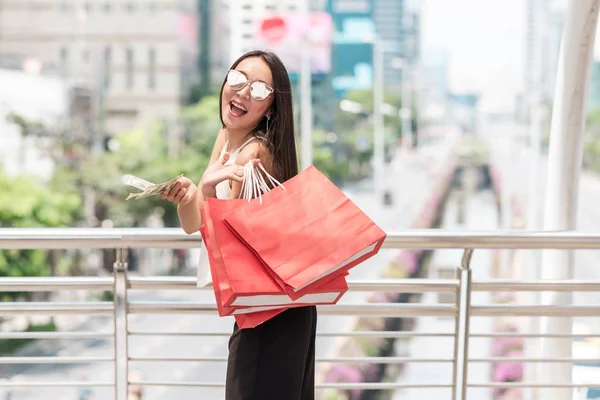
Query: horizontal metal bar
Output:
(95,238)
(55,335)
(177,383)
(379,285)
(47,284)
(442,239)
(56,308)
(61,238)
(371,334)
(177,359)
(382,386)
(384,309)
(341,386)
(382,360)
(530,311)
(164,283)
(383,334)
(499,285)
(28,384)
(176,334)
(533,385)
(535,360)
(348,360)
(533,335)
(53,360)
(37,284)
(371,310)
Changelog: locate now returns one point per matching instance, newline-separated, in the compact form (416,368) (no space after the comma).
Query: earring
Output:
(268,119)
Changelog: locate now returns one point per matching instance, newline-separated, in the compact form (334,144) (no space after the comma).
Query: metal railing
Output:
(121,284)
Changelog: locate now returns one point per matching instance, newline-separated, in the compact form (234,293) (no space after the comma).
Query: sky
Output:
(484,42)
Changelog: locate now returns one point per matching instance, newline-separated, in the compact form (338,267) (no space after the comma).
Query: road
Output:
(480,215)
(410,180)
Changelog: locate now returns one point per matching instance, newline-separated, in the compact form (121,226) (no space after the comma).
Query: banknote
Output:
(148,188)
(136,182)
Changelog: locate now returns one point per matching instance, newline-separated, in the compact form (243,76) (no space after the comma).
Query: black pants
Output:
(275,360)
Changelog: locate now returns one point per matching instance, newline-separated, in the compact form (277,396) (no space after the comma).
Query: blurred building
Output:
(32,97)
(398,27)
(390,24)
(214,37)
(434,90)
(138,57)
(551,14)
(356,21)
(244,16)
(352,54)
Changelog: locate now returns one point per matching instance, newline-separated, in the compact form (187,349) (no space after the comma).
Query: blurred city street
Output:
(480,215)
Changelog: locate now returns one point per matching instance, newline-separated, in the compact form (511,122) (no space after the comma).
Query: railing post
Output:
(461,338)
(120,325)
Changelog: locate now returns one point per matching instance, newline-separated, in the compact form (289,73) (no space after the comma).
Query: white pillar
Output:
(378,125)
(564,164)
(306,114)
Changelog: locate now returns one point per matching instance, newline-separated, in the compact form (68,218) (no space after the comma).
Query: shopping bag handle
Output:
(254,184)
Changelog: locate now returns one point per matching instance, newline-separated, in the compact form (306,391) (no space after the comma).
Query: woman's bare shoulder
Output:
(255,149)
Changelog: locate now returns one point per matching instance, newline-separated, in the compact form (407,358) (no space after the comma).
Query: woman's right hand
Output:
(182,193)
(219,172)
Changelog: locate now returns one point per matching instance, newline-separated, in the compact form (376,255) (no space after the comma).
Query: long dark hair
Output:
(280,137)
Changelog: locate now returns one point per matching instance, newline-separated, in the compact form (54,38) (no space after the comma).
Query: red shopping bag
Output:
(240,280)
(243,320)
(220,277)
(306,231)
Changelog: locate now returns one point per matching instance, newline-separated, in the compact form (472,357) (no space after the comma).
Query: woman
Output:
(274,361)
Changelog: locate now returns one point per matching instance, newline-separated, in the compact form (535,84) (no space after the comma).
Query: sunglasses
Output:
(259,90)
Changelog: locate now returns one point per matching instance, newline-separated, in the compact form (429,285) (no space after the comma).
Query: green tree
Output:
(329,156)
(144,152)
(355,128)
(29,204)
(347,122)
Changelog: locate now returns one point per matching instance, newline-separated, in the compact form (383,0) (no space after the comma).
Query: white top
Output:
(223,190)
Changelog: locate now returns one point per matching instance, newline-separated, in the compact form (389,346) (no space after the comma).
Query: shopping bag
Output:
(220,277)
(306,230)
(240,280)
(203,275)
